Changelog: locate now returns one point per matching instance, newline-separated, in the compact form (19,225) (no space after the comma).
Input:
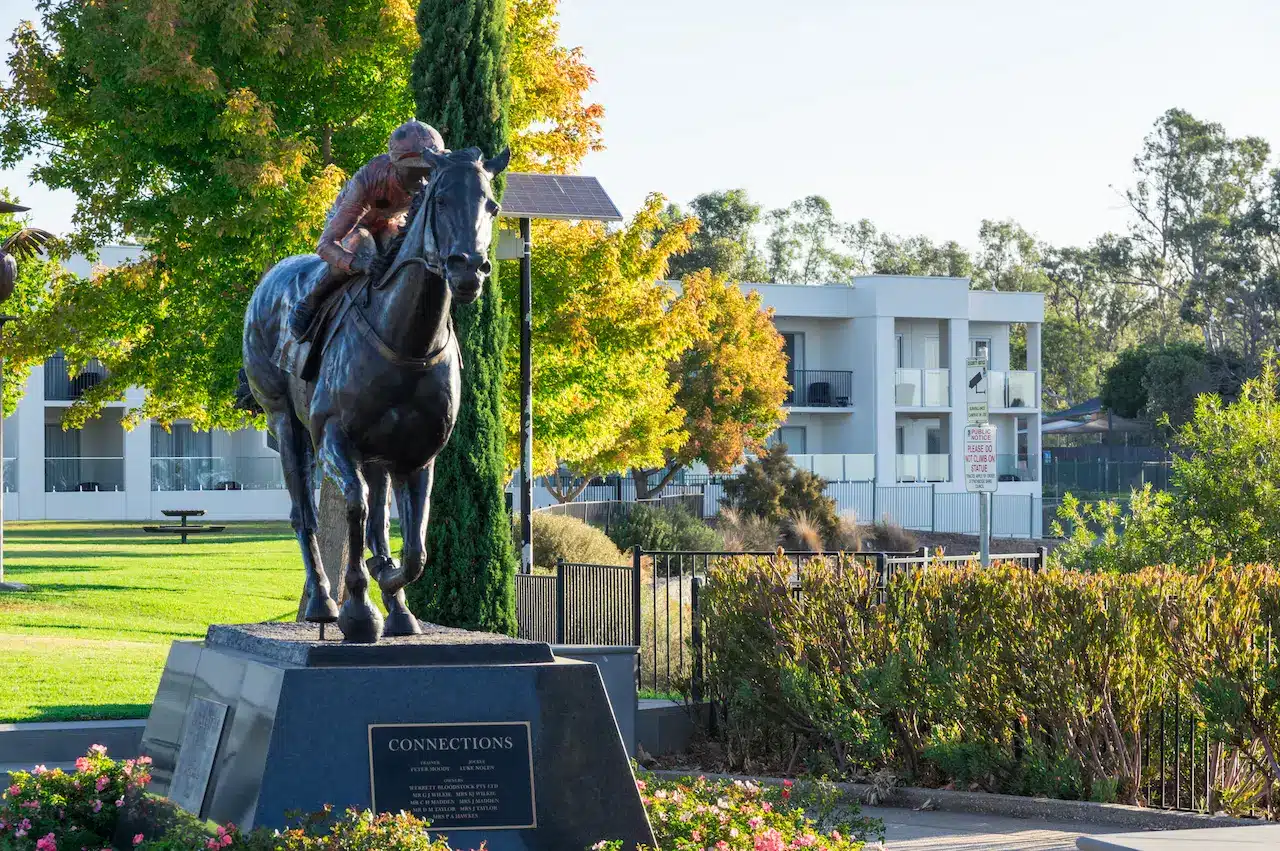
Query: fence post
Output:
(882,576)
(636,553)
(561,600)
(933,507)
(695,638)
(1042,558)
(923,553)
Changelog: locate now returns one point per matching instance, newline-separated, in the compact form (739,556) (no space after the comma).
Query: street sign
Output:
(975,379)
(980,459)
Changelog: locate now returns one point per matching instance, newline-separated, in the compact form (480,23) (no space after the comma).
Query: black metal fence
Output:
(594,604)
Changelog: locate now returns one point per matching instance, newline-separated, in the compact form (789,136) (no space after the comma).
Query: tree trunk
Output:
(333,541)
(641,477)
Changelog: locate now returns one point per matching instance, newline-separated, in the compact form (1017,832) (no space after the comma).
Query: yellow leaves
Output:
(244,115)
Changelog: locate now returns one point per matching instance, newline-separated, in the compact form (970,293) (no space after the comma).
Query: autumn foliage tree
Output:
(604,331)
(731,380)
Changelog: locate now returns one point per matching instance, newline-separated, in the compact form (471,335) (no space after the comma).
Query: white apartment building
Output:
(879,396)
(877,408)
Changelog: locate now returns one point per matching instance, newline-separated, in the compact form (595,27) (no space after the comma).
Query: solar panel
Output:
(557,196)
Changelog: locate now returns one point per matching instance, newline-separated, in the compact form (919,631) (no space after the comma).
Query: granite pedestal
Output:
(492,738)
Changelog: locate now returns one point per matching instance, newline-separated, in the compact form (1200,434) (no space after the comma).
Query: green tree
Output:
(1009,258)
(731,380)
(723,242)
(37,278)
(919,255)
(1163,383)
(808,245)
(772,487)
(461,87)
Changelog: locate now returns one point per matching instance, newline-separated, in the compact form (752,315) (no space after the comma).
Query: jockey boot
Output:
(303,315)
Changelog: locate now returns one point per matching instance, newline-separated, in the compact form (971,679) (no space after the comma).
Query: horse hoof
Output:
(359,621)
(387,572)
(401,623)
(320,609)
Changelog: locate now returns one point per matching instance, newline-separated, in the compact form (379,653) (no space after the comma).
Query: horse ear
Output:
(497,165)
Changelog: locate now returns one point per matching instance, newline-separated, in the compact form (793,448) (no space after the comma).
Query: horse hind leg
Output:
(415,495)
(296,457)
(385,569)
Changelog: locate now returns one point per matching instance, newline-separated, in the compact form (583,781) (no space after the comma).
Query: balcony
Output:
(216,474)
(61,386)
(922,388)
(924,468)
(1014,389)
(66,475)
(820,388)
(1014,468)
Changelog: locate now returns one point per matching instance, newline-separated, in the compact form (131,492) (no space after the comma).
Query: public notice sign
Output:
(980,458)
(975,379)
(458,776)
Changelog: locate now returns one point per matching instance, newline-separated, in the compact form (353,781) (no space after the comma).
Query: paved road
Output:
(911,830)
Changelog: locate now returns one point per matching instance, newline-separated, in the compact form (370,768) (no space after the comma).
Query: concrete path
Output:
(914,830)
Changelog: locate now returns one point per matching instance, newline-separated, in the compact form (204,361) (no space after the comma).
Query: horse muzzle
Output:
(466,273)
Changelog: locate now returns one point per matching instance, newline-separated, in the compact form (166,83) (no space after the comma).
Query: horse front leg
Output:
(296,457)
(415,505)
(358,619)
(378,529)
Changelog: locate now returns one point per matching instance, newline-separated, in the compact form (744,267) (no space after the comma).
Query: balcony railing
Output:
(1014,389)
(836,467)
(214,473)
(63,475)
(61,386)
(1014,468)
(11,475)
(922,388)
(821,388)
(924,468)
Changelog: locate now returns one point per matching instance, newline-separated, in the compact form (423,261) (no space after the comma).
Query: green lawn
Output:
(90,640)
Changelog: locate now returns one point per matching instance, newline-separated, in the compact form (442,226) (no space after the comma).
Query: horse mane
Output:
(383,261)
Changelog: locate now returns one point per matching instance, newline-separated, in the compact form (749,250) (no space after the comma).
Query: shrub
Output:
(663,529)
(772,487)
(747,532)
(78,810)
(557,536)
(1048,674)
(850,536)
(889,537)
(744,816)
(803,533)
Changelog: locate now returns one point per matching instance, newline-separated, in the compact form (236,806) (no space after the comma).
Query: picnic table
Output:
(183,528)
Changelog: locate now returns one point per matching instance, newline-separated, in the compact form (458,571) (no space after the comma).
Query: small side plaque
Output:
(205,719)
(458,776)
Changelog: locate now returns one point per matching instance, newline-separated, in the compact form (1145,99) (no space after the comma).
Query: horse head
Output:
(458,215)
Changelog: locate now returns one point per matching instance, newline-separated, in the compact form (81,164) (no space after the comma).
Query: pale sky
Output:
(925,116)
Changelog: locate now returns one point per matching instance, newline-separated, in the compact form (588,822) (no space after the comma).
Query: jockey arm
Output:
(350,209)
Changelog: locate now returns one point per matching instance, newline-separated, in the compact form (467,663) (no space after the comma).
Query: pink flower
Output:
(835,834)
(144,760)
(120,801)
(100,750)
(102,783)
(31,805)
(754,822)
(20,832)
(4,825)
(97,805)
(696,836)
(38,770)
(137,839)
(722,846)
(226,839)
(770,840)
(787,784)
(640,784)
(212,844)
(82,763)
(25,824)
(14,789)
(766,806)
(47,843)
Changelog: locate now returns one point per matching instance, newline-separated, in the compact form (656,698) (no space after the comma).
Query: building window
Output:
(902,351)
(980,347)
(900,436)
(932,352)
(933,441)
(792,436)
(181,441)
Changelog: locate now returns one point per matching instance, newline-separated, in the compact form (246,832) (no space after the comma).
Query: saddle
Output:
(301,357)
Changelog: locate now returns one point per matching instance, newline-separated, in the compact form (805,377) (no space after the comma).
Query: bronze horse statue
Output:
(386,396)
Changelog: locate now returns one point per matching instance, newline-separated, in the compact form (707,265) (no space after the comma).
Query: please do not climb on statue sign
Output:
(980,459)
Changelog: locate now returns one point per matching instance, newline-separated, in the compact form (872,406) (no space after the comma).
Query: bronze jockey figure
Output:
(372,205)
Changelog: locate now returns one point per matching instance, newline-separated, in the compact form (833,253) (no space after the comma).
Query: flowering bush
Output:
(692,815)
(48,810)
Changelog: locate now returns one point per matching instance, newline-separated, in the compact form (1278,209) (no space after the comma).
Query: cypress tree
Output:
(461,88)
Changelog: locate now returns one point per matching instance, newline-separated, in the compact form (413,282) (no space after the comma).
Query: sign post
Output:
(980,478)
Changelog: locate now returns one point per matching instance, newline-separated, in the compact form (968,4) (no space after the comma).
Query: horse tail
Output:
(245,400)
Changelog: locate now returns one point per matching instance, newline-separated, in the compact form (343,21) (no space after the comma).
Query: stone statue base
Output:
(493,739)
